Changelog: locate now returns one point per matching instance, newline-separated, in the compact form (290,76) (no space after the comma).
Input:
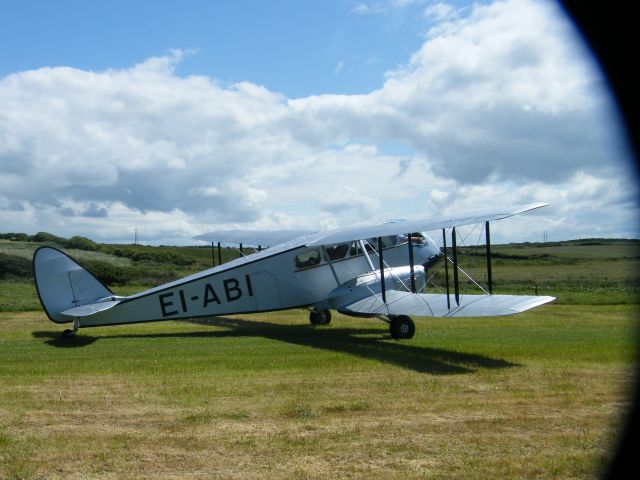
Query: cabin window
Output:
(337,252)
(307,259)
(355,249)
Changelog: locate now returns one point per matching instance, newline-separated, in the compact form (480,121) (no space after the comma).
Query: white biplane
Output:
(376,270)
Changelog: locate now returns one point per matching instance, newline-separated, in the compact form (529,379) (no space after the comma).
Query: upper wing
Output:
(398,227)
(253,238)
(297,238)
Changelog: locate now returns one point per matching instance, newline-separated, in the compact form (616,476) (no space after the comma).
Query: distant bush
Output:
(109,274)
(135,275)
(81,243)
(77,242)
(16,237)
(12,267)
(44,237)
(150,254)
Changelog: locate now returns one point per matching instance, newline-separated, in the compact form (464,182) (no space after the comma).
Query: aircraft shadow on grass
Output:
(364,343)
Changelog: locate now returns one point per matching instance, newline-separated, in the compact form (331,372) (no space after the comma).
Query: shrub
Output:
(14,267)
(150,254)
(107,273)
(16,237)
(81,243)
(48,237)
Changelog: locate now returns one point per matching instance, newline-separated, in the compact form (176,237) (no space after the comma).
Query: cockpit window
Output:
(417,238)
(390,241)
(337,252)
(307,259)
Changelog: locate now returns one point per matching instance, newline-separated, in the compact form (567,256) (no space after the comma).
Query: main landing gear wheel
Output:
(320,317)
(402,327)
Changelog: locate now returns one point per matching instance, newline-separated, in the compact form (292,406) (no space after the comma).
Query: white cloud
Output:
(500,104)
(383,6)
(505,91)
(440,11)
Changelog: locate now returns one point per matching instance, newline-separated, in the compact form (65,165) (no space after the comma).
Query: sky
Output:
(178,118)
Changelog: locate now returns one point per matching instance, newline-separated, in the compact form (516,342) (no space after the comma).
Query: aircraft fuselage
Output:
(300,277)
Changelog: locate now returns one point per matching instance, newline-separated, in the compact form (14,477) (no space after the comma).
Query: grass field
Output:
(537,395)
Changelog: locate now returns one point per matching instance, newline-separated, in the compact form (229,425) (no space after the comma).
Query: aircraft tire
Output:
(402,327)
(320,317)
(68,333)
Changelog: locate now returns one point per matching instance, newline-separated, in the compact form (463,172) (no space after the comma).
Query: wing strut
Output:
(384,292)
(366,255)
(413,275)
(446,266)
(456,286)
(488,242)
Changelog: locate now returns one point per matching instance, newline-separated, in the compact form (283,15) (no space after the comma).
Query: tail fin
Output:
(63,284)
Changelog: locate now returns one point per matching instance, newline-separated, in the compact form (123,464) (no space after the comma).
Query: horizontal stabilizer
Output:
(90,309)
(435,305)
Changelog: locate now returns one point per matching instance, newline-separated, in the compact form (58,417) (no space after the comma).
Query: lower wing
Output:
(436,305)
